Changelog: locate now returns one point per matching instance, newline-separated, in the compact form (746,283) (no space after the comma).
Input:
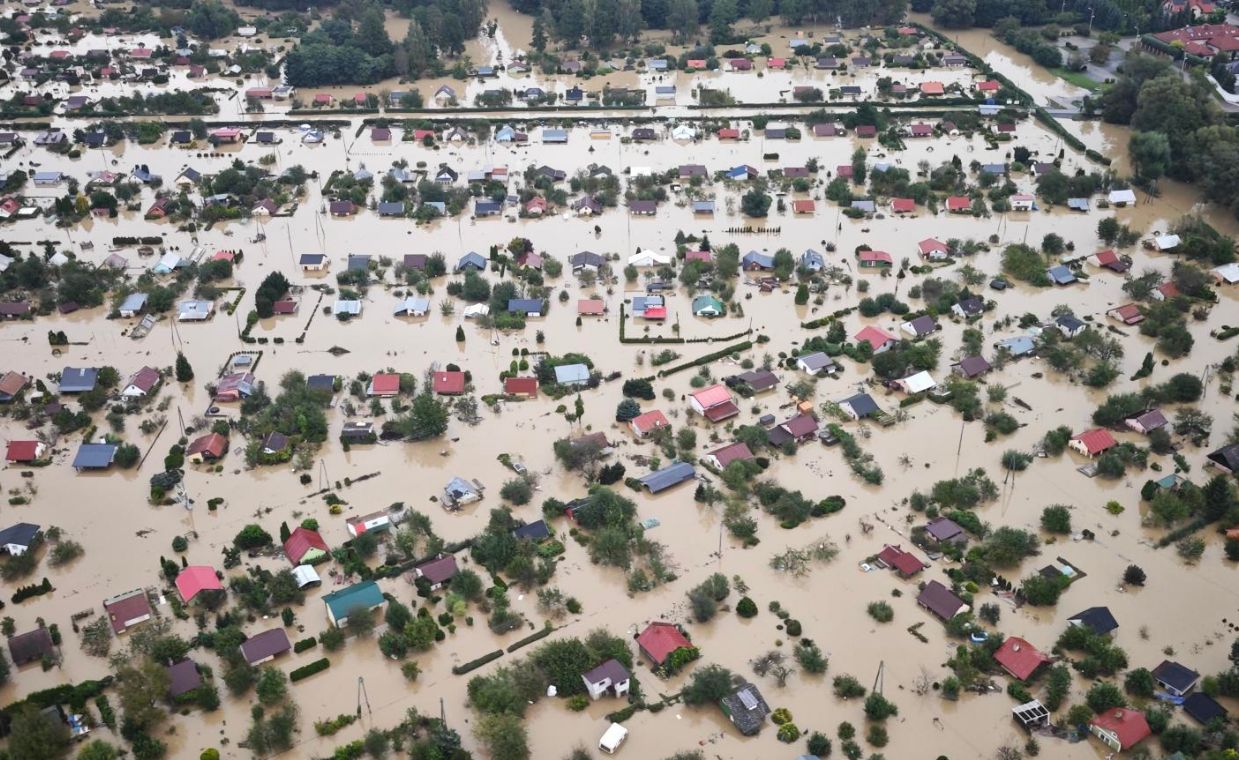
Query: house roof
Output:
(78,379)
(923,325)
(571,373)
(800,426)
(759,379)
(31,646)
(713,396)
(183,677)
(1202,707)
(649,421)
(940,600)
(972,366)
(144,379)
(671,475)
(211,444)
(905,563)
(1019,658)
(269,643)
(815,361)
(1096,440)
(362,595)
(521,385)
(385,383)
(660,639)
(590,306)
(94,456)
(874,336)
(197,578)
(439,569)
(611,670)
(22,451)
(1176,676)
(121,609)
(747,708)
(20,534)
(301,541)
(862,404)
(12,383)
(732,452)
(1151,420)
(1097,619)
(534,531)
(1128,726)
(943,529)
(448,382)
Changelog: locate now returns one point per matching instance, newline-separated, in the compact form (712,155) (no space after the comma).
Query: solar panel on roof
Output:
(748,700)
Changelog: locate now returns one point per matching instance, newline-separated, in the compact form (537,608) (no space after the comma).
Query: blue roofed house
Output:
(78,379)
(571,374)
(668,477)
(94,456)
(529,307)
(656,64)
(359,597)
(471,260)
(703,207)
(505,134)
(754,260)
(391,208)
(555,136)
(994,168)
(1061,275)
(708,306)
(133,305)
(1018,346)
(741,172)
(15,540)
(1175,678)
(486,208)
(812,261)
(1077,204)
(859,407)
(312,262)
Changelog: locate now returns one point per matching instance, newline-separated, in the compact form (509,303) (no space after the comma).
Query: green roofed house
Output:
(708,306)
(347,601)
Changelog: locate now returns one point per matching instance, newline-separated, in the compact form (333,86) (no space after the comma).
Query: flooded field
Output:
(124,535)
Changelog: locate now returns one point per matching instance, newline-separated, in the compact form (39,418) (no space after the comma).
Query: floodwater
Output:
(123,535)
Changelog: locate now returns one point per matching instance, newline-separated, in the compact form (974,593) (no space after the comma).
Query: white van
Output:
(613,738)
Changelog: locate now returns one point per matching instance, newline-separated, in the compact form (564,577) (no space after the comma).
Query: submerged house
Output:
(668,477)
(610,678)
(360,597)
(941,601)
(746,708)
(659,640)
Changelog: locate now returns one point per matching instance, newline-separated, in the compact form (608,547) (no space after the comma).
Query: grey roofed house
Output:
(1070,325)
(1020,345)
(972,366)
(554,135)
(133,303)
(416,261)
(274,443)
(644,133)
(1077,204)
(94,456)
(862,405)
(265,646)
(461,491)
(746,708)
(994,168)
(1225,458)
(921,326)
(571,374)
(78,379)
(1096,619)
(31,646)
(703,207)
(864,204)
(669,476)
(325,383)
(534,531)
(1177,679)
(759,379)
(693,170)
(391,208)
(1203,708)
(609,677)
(755,260)
(16,539)
(969,307)
(412,306)
(358,262)
(183,677)
(350,306)
(946,530)
(471,260)
(486,208)
(526,306)
(812,261)
(586,259)
(940,600)
(312,259)
(776,133)
(814,362)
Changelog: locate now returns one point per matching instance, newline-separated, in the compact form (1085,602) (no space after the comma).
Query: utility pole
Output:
(362,695)
(879,681)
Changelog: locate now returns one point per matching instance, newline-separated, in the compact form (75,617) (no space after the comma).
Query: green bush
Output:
(308,670)
(460,670)
(305,644)
(746,608)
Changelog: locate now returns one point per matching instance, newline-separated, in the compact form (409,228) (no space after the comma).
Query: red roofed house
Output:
(195,579)
(1128,314)
(714,403)
(305,546)
(875,259)
(449,383)
(704,256)
(526,387)
(226,135)
(989,85)
(23,452)
(322,99)
(659,640)
(127,610)
(384,384)
(902,205)
(904,563)
(207,448)
(1110,260)
(1090,443)
(728,133)
(591,307)
(932,88)
(654,312)
(866,130)
(732,452)
(958,204)
(933,249)
(1166,290)
(776,63)
(644,424)
(1019,658)
(803,206)
(920,130)
(696,64)
(1120,728)
(876,337)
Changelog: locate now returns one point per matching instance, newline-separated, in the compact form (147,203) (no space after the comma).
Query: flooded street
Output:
(124,536)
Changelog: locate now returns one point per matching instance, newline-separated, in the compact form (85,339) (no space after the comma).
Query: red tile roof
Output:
(712,396)
(385,383)
(732,452)
(590,306)
(649,421)
(521,386)
(902,205)
(958,203)
(1129,726)
(805,206)
(210,445)
(1019,658)
(874,336)
(22,451)
(450,382)
(660,639)
(1096,440)
(195,579)
(931,88)
(881,256)
(300,541)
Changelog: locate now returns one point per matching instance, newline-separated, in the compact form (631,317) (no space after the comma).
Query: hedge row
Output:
(460,670)
(531,638)
(35,589)
(823,321)
(308,670)
(74,695)
(743,346)
(305,644)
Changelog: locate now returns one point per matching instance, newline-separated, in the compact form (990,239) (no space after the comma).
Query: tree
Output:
(746,607)
(1140,683)
(954,14)
(143,687)
(1056,519)
(1103,696)
(35,736)
(683,19)
(879,708)
(627,410)
(427,418)
(517,490)
(504,736)
(1134,575)
(1108,230)
(272,685)
(708,685)
(184,372)
(252,536)
(1150,154)
(755,203)
(98,750)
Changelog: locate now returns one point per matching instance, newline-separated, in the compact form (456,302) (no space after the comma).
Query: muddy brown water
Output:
(123,535)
